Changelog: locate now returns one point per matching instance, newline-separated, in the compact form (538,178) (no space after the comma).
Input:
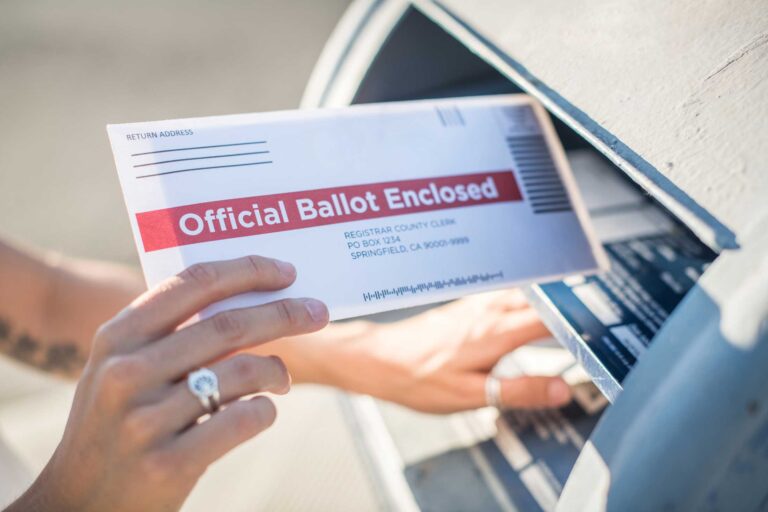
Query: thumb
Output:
(534,392)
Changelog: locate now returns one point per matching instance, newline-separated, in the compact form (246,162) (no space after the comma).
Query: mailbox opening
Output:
(607,321)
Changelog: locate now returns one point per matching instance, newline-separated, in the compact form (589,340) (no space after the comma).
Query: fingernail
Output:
(285,268)
(316,309)
(559,393)
(287,387)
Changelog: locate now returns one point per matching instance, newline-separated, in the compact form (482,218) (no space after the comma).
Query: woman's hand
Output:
(437,361)
(133,441)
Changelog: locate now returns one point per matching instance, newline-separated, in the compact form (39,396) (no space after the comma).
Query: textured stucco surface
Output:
(683,84)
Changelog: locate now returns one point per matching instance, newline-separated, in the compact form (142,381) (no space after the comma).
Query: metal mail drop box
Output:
(662,110)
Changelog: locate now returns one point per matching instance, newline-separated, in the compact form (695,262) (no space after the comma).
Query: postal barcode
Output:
(440,284)
(540,179)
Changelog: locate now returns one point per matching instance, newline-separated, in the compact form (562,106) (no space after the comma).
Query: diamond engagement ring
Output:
(493,391)
(204,384)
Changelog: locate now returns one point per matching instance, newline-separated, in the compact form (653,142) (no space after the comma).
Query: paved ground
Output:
(69,68)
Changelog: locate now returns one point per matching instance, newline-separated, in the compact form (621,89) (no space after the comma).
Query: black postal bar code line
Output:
(414,289)
(540,179)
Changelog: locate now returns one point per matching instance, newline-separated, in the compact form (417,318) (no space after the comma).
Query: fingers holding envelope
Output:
(159,311)
(230,331)
(134,417)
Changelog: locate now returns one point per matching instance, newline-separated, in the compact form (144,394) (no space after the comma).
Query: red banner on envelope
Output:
(249,216)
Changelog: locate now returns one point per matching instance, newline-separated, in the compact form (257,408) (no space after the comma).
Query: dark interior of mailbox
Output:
(606,321)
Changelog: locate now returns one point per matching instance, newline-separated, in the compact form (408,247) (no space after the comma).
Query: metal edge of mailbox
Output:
(567,337)
(702,446)
(379,452)
(336,51)
(703,224)
(350,50)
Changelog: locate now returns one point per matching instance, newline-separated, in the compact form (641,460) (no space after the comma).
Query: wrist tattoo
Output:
(59,357)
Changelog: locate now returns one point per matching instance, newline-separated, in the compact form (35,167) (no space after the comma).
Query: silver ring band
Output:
(210,403)
(493,392)
(204,384)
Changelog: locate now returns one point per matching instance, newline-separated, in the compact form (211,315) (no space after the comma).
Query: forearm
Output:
(85,294)
(317,358)
(348,355)
(50,306)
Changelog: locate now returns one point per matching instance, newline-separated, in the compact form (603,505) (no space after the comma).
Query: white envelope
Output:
(379,206)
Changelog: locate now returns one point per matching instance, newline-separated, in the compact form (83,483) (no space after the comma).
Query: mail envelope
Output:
(378,206)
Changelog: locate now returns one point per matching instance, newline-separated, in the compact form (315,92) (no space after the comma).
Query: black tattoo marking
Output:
(24,349)
(63,358)
(5,333)
(5,330)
